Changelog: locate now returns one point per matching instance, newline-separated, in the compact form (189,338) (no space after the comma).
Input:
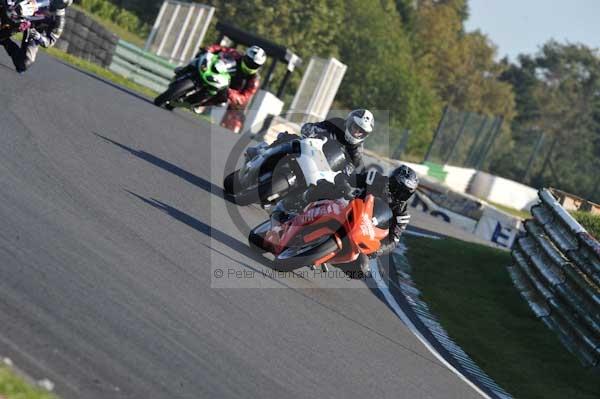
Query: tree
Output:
(461,65)
(558,93)
(381,73)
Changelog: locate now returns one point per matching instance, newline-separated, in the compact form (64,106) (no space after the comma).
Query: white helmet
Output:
(359,124)
(254,58)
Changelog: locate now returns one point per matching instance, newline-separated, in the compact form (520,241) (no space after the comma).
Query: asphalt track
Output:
(112,226)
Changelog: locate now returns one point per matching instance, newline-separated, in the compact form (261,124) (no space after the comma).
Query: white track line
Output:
(405,319)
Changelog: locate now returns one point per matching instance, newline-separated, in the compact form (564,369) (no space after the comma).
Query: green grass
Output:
(590,221)
(512,211)
(114,28)
(468,287)
(13,387)
(101,72)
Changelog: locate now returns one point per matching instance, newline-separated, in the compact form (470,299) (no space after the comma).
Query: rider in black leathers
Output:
(395,190)
(44,32)
(350,132)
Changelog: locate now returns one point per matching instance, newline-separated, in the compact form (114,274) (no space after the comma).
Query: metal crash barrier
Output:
(141,66)
(557,270)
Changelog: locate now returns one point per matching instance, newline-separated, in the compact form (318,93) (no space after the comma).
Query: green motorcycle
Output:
(202,79)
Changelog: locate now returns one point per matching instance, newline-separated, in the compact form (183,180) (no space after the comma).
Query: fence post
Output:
(458,137)
(470,161)
(536,149)
(596,188)
(493,138)
(436,134)
(402,146)
(545,164)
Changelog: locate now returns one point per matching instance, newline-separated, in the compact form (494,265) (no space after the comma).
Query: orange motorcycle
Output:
(327,231)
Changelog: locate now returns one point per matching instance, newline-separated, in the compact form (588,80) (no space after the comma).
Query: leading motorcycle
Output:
(326,232)
(205,77)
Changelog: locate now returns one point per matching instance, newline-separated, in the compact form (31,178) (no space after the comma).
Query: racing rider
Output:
(244,83)
(350,132)
(395,190)
(43,32)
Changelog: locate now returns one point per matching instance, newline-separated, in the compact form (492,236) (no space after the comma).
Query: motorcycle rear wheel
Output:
(176,90)
(260,194)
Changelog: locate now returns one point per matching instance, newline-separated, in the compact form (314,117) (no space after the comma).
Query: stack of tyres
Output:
(87,39)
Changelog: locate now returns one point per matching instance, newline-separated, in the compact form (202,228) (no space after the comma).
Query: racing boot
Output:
(365,264)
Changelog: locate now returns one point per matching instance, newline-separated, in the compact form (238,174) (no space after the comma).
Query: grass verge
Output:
(101,72)
(512,211)
(590,221)
(468,287)
(13,387)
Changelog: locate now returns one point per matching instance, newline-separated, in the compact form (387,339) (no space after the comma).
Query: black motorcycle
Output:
(272,172)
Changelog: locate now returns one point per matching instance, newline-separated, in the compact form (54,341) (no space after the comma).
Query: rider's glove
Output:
(26,8)
(235,98)
(38,38)
(34,35)
(342,187)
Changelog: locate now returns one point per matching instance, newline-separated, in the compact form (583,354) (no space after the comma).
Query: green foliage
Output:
(381,73)
(461,66)
(106,10)
(590,221)
(558,94)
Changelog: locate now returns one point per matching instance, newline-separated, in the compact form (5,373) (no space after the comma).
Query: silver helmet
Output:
(359,124)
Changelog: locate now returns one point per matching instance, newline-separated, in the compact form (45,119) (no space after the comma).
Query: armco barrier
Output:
(141,66)
(557,270)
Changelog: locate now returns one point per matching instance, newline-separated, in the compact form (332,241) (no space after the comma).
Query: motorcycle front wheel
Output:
(256,237)
(176,90)
(308,254)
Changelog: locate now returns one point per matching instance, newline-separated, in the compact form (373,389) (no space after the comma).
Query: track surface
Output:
(105,265)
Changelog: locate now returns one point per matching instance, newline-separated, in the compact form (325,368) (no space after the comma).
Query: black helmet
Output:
(403,183)
(60,4)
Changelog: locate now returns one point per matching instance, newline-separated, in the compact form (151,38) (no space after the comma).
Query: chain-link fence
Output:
(464,139)
(526,155)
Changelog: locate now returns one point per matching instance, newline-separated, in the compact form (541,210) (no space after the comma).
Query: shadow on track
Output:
(171,168)
(243,249)
(233,243)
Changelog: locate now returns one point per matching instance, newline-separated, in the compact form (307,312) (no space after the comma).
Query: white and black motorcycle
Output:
(274,171)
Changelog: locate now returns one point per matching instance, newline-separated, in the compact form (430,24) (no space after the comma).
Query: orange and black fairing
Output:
(351,224)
